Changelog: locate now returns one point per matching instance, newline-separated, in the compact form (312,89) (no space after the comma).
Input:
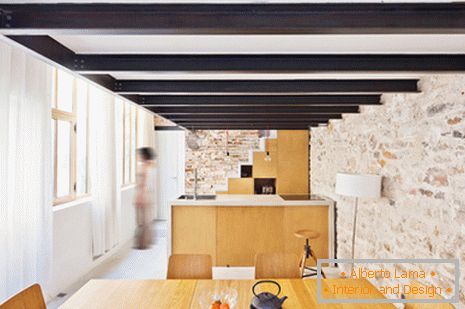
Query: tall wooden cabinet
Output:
(293,158)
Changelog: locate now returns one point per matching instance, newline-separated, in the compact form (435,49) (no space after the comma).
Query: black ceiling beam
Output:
(106,81)
(305,18)
(247,127)
(250,125)
(257,126)
(245,120)
(297,86)
(252,117)
(271,63)
(49,48)
(52,49)
(254,110)
(152,101)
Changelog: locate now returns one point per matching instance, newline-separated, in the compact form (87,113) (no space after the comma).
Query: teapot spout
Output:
(281,300)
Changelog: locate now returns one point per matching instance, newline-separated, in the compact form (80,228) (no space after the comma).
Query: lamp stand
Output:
(354,229)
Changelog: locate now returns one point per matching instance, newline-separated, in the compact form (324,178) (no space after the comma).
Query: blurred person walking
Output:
(144,197)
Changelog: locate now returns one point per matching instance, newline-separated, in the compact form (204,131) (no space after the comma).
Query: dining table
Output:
(172,294)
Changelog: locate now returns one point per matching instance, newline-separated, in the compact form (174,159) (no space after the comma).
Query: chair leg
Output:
(302,265)
(313,256)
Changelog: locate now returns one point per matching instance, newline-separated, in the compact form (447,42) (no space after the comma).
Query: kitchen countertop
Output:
(251,200)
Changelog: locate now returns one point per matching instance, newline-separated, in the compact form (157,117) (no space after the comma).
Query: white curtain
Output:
(25,171)
(146,138)
(103,173)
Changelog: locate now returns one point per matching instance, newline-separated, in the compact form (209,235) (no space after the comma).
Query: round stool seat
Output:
(307,234)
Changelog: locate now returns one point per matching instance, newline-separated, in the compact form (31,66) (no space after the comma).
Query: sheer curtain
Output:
(25,171)
(103,168)
(146,138)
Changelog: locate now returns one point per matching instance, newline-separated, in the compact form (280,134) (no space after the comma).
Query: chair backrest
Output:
(417,284)
(26,299)
(190,266)
(277,265)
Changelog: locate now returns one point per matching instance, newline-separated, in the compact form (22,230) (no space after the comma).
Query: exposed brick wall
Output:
(212,167)
(417,142)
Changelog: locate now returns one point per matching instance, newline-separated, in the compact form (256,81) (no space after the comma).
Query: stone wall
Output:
(212,165)
(417,143)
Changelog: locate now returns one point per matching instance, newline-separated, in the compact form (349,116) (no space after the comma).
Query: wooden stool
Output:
(308,252)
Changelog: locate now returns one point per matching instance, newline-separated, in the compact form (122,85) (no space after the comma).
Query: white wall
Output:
(171,152)
(72,240)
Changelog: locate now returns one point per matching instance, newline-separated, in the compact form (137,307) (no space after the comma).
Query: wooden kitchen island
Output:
(234,228)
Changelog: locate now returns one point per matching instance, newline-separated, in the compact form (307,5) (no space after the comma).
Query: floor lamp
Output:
(357,186)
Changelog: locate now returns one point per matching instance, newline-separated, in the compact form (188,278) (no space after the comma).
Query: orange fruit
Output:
(224,306)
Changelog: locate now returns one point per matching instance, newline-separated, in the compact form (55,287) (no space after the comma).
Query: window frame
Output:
(133,133)
(71,118)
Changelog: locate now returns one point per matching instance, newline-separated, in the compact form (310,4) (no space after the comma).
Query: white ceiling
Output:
(264,44)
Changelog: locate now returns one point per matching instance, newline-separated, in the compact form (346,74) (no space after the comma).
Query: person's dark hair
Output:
(146,153)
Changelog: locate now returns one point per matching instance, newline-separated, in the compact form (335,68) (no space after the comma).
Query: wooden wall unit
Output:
(292,162)
(240,186)
(289,164)
(232,235)
(262,168)
(271,144)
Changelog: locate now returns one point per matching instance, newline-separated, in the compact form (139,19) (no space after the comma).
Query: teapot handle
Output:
(266,281)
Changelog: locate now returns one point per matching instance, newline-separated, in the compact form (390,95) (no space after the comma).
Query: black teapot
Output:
(267,300)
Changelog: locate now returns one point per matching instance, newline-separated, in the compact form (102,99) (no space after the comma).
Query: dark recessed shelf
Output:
(261,185)
(246,171)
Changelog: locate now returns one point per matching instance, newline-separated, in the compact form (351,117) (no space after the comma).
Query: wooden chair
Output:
(277,265)
(425,306)
(190,266)
(30,298)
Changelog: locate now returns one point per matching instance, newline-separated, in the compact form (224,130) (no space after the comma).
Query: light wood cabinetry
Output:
(292,162)
(263,168)
(299,218)
(244,231)
(240,186)
(232,235)
(271,144)
(194,230)
(288,165)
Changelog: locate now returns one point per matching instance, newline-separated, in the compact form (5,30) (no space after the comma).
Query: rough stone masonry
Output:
(213,166)
(417,143)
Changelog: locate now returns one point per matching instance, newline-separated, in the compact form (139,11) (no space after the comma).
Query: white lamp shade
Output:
(358,185)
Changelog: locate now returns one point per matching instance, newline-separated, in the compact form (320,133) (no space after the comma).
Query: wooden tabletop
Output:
(187,293)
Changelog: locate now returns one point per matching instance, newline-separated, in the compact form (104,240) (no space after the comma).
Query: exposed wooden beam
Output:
(298,86)
(158,101)
(253,110)
(304,18)
(291,63)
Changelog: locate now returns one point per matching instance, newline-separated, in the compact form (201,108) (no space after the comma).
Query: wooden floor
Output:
(182,294)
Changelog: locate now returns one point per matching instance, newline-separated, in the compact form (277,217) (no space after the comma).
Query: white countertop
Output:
(251,200)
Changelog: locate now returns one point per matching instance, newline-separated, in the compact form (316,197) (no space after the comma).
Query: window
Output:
(69,137)
(129,143)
